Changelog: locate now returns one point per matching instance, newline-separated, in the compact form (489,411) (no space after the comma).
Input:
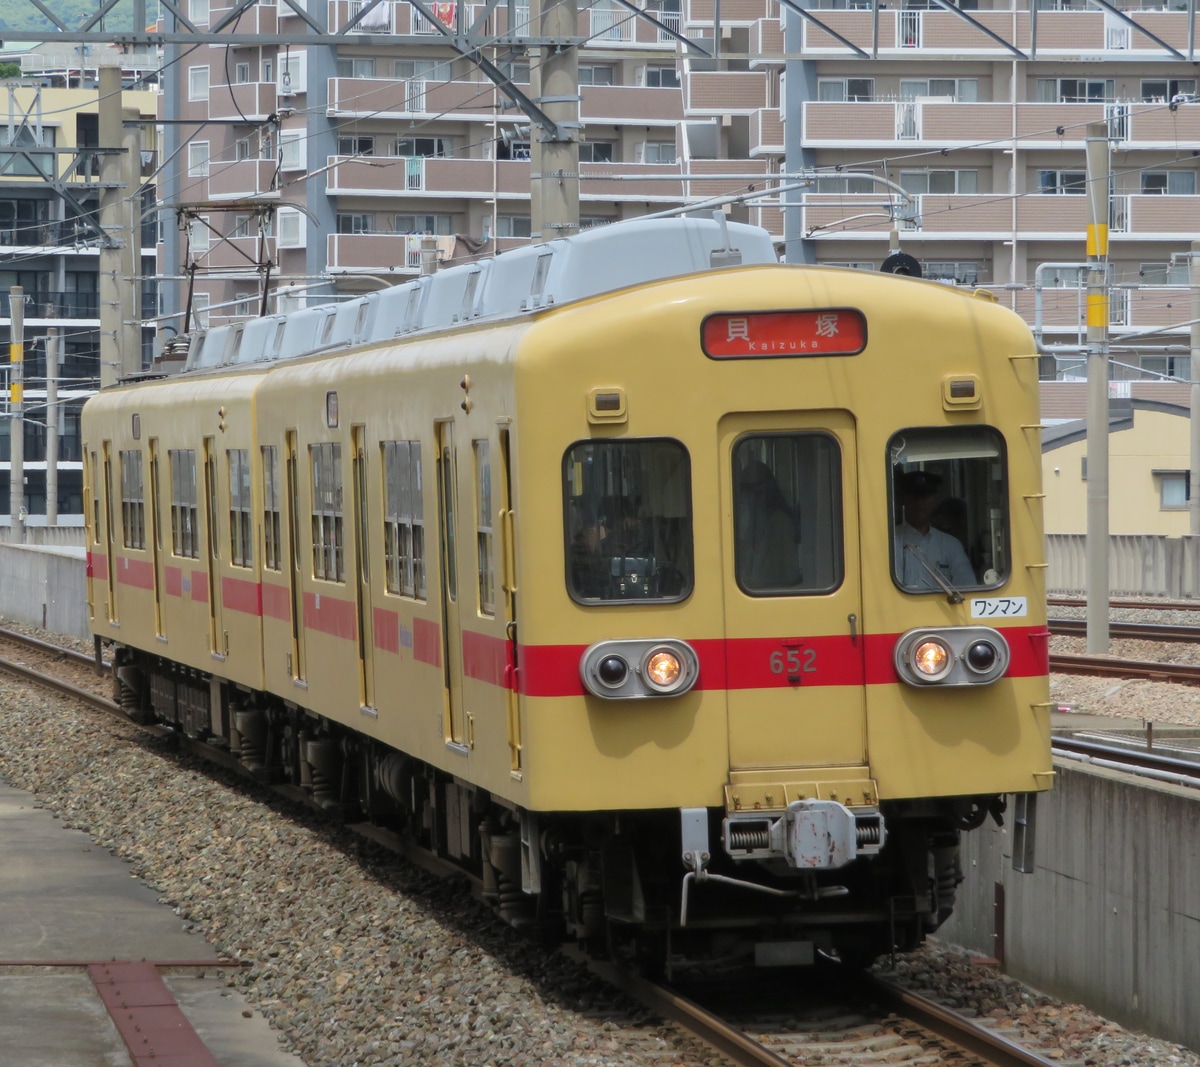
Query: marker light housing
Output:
(960,655)
(633,670)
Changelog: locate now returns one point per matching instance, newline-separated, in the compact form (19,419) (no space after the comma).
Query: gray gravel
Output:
(360,959)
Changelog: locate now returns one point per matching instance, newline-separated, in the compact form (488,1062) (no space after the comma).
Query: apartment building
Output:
(977,117)
(49,246)
(354,152)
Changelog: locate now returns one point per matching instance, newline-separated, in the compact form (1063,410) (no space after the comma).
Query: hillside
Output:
(20,16)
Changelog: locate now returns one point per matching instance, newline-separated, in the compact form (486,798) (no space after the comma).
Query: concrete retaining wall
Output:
(45,586)
(1111,916)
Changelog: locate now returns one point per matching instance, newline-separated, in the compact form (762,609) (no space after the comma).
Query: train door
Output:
(216,636)
(91,511)
(452,659)
(793,605)
(297,584)
(109,536)
(155,537)
(366,630)
(508,584)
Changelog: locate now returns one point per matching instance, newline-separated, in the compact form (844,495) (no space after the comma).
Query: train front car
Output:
(795,637)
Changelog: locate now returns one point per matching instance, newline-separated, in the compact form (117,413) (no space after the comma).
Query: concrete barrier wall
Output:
(45,586)
(1111,916)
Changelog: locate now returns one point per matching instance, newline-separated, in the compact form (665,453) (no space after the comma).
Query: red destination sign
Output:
(775,334)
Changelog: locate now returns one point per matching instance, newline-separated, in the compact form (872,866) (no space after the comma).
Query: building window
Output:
(291,228)
(1071,182)
(356,222)
(595,74)
(241,150)
(429,147)
(1163,274)
(328,558)
(1075,90)
(404,519)
(1169,182)
(852,264)
(198,236)
(185,540)
(198,159)
(241,528)
(855,183)
(836,90)
(272,545)
(133,506)
(197,83)
(1174,490)
(513,226)
(662,77)
(961,272)
(439,225)
(268,70)
(963,90)
(241,73)
(1164,90)
(200,303)
(292,150)
(198,10)
(919,182)
(595,152)
(483,528)
(659,152)
(355,67)
(356,146)
(293,71)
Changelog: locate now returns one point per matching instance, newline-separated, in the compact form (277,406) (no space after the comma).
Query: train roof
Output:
(514,283)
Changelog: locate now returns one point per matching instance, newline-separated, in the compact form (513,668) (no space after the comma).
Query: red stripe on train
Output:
(746,663)
(276,601)
(97,566)
(240,594)
(331,615)
(486,658)
(387,630)
(199,586)
(138,573)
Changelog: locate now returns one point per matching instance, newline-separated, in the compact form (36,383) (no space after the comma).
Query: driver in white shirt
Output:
(942,551)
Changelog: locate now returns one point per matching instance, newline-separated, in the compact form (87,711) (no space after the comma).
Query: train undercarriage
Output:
(616,881)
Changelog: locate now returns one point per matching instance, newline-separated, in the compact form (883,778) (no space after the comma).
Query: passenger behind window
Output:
(766,532)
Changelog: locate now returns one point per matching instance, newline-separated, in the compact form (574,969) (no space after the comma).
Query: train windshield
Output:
(628,521)
(949,495)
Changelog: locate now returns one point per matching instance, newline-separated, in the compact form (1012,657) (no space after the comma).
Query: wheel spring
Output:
(512,900)
(750,838)
(866,833)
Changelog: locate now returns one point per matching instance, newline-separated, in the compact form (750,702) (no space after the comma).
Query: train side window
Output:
(404,519)
(483,528)
(325,461)
(241,528)
(628,521)
(183,503)
(949,495)
(133,500)
(96,495)
(787,514)
(272,543)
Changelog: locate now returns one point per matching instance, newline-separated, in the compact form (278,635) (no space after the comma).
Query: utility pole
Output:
(1098,182)
(554,163)
(1194,408)
(120,254)
(52,427)
(16,413)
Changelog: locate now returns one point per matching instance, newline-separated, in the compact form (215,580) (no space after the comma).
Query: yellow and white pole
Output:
(16,413)
(1098,184)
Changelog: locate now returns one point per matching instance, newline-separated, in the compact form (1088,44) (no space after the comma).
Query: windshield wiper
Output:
(952,594)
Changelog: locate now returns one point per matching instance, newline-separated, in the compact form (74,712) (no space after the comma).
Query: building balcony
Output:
(50,304)
(946,124)
(245,177)
(766,44)
(384,98)
(1087,35)
(996,216)
(744,12)
(258,19)
(1131,309)
(628,105)
(728,176)
(725,92)
(766,132)
(383,176)
(245,102)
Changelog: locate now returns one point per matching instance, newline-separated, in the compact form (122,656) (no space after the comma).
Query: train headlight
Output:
(662,670)
(932,659)
(632,670)
(956,655)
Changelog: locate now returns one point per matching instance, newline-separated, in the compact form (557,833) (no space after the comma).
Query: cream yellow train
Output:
(692,602)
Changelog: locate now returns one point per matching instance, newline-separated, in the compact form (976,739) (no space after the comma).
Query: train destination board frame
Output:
(783,334)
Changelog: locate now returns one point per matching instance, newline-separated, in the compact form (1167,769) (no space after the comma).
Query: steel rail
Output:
(993,1048)
(1132,760)
(1139,605)
(1148,670)
(1142,631)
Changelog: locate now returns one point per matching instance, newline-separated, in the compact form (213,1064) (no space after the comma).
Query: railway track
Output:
(912,1023)
(1139,631)
(1170,762)
(1136,605)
